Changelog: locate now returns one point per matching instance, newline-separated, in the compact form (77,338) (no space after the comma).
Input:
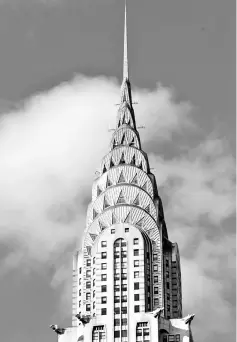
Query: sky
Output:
(61,69)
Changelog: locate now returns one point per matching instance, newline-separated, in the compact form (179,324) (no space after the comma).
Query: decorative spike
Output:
(121,178)
(121,198)
(125,49)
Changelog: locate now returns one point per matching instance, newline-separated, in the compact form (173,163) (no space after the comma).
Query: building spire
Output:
(125,49)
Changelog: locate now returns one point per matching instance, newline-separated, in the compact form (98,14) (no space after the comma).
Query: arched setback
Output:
(125,135)
(103,251)
(128,153)
(131,175)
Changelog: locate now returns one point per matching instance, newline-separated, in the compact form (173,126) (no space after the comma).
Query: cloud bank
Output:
(49,150)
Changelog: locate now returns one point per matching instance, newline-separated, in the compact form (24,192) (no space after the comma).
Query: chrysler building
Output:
(126,276)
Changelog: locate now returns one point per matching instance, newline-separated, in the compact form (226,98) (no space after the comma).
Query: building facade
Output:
(126,276)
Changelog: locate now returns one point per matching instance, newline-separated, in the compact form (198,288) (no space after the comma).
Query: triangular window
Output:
(140,223)
(148,208)
(108,183)
(122,160)
(132,142)
(121,178)
(133,160)
(140,166)
(134,180)
(111,162)
(93,236)
(124,119)
(144,186)
(121,198)
(102,226)
(122,140)
(94,213)
(136,201)
(106,203)
(104,169)
(98,190)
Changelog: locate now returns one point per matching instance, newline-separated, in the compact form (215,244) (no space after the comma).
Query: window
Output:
(124,244)
(167,263)
(124,310)
(116,299)
(116,255)
(168,297)
(124,287)
(136,308)
(116,288)
(112,231)
(103,266)
(136,297)
(117,311)
(136,274)
(80,270)
(93,293)
(135,241)
(94,260)
(88,273)
(124,321)
(136,252)
(155,279)
(136,286)
(124,333)
(167,285)
(88,284)
(117,322)
(156,291)
(155,257)
(156,301)
(80,281)
(88,307)
(124,265)
(79,292)
(103,311)
(103,288)
(117,333)
(88,296)
(124,254)
(136,263)
(79,303)
(88,262)
(126,230)
(155,268)
(103,243)
(103,277)
(104,255)
(93,282)
(177,337)
(124,299)
(103,300)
